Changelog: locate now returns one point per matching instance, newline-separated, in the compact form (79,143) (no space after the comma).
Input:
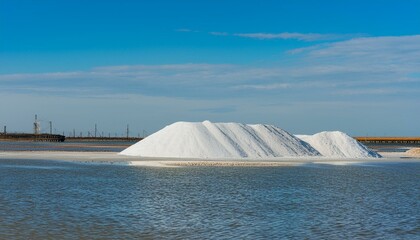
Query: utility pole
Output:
(37,126)
(50,128)
(128,130)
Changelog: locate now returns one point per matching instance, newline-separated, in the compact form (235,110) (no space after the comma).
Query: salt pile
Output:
(415,152)
(338,145)
(235,140)
(220,140)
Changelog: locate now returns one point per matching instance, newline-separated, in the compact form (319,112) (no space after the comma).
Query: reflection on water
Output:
(65,200)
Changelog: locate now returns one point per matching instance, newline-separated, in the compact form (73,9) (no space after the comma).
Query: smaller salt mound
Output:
(415,152)
(220,140)
(338,144)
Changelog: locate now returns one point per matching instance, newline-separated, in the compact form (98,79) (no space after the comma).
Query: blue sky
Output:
(305,66)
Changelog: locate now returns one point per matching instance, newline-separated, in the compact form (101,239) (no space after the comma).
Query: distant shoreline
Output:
(45,137)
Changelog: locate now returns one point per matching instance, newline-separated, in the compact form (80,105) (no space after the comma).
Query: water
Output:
(56,200)
(94,146)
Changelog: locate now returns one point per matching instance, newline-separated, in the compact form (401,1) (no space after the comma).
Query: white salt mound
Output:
(220,140)
(415,152)
(338,144)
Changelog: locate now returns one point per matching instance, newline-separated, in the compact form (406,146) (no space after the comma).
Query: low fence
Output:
(389,140)
(32,137)
(103,139)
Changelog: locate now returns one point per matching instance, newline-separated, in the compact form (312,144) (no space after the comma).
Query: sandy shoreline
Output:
(114,158)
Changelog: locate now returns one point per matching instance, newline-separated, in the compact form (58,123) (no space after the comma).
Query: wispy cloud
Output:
(272,86)
(309,37)
(183,30)
(389,55)
(344,68)
(378,91)
(369,75)
(219,33)
(216,110)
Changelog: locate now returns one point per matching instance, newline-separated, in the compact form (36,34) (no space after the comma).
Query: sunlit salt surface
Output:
(204,140)
(57,200)
(337,144)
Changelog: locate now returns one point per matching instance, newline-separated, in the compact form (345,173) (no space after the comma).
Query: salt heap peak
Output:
(220,140)
(338,144)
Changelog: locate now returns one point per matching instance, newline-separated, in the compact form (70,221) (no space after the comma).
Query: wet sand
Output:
(114,158)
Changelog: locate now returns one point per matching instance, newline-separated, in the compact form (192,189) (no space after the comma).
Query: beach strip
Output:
(114,158)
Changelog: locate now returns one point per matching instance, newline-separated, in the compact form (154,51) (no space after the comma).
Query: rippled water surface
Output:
(46,199)
(94,146)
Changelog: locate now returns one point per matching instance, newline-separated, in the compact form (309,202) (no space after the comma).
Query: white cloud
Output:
(297,36)
(265,86)
(183,30)
(349,67)
(369,76)
(308,37)
(377,91)
(384,55)
(219,33)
